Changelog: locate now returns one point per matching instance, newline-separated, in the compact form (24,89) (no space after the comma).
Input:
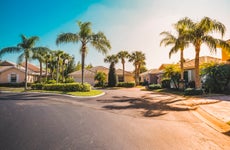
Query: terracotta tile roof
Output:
(203,59)
(151,71)
(120,72)
(163,66)
(86,72)
(32,67)
(7,63)
(99,68)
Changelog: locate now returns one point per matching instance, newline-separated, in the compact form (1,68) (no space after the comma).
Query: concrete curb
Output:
(211,120)
(82,97)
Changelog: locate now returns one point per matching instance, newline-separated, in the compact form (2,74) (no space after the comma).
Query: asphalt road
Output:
(33,121)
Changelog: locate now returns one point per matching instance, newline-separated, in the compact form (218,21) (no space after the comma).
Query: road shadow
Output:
(151,107)
(24,96)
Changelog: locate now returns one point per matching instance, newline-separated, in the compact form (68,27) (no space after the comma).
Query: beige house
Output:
(13,73)
(89,75)
(155,75)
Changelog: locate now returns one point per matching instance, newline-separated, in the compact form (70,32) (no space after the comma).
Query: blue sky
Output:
(129,24)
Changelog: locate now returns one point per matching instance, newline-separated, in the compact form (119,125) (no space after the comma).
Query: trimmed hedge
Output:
(37,86)
(193,91)
(154,86)
(66,87)
(126,84)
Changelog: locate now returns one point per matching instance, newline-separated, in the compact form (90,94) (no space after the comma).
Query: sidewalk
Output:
(216,114)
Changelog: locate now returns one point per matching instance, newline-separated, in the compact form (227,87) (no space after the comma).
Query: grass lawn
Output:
(12,89)
(21,89)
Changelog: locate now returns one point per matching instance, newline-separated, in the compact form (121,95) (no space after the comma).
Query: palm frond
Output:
(67,37)
(210,42)
(224,45)
(10,50)
(100,42)
(20,58)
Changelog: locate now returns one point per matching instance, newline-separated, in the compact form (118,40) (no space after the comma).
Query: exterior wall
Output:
(225,55)
(5,76)
(129,78)
(88,78)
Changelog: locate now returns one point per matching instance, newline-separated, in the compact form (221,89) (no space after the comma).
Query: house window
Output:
(13,78)
(120,79)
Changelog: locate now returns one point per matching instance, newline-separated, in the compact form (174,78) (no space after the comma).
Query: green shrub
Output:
(154,86)
(51,82)
(68,87)
(69,80)
(126,84)
(193,91)
(37,86)
(165,83)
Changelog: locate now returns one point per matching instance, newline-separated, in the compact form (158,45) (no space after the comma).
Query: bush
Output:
(37,86)
(22,84)
(68,87)
(193,91)
(165,83)
(126,84)
(69,80)
(51,82)
(154,86)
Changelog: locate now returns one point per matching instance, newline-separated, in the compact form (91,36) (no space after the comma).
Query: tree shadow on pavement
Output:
(151,108)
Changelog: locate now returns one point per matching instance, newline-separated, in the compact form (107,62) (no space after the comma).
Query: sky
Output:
(132,25)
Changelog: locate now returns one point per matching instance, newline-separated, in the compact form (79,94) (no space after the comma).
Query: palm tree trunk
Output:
(26,73)
(82,65)
(63,64)
(40,71)
(57,71)
(197,71)
(123,65)
(46,69)
(182,64)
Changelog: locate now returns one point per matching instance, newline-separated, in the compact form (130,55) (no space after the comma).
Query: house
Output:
(189,66)
(154,76)
(150,77)
(89,75)
(13,73)
(226,54)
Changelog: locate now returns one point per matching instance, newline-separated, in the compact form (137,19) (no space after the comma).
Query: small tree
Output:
(173,72)
(216,77)
(112,75)
(100,77)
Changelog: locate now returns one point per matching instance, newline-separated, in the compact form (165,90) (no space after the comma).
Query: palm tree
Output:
(138,59)
(40,53)
(178,43)
(26,48)
(65,59)
(198,34)
(47,61)
(122,55)
(58,55)
(85,36)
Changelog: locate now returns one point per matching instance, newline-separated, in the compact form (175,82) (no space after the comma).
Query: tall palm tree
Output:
(58,55)
(178,43)
(198,34)
(40,53)
(123,55)
(25,47)
(86,36)
(65,59)
(138,59)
